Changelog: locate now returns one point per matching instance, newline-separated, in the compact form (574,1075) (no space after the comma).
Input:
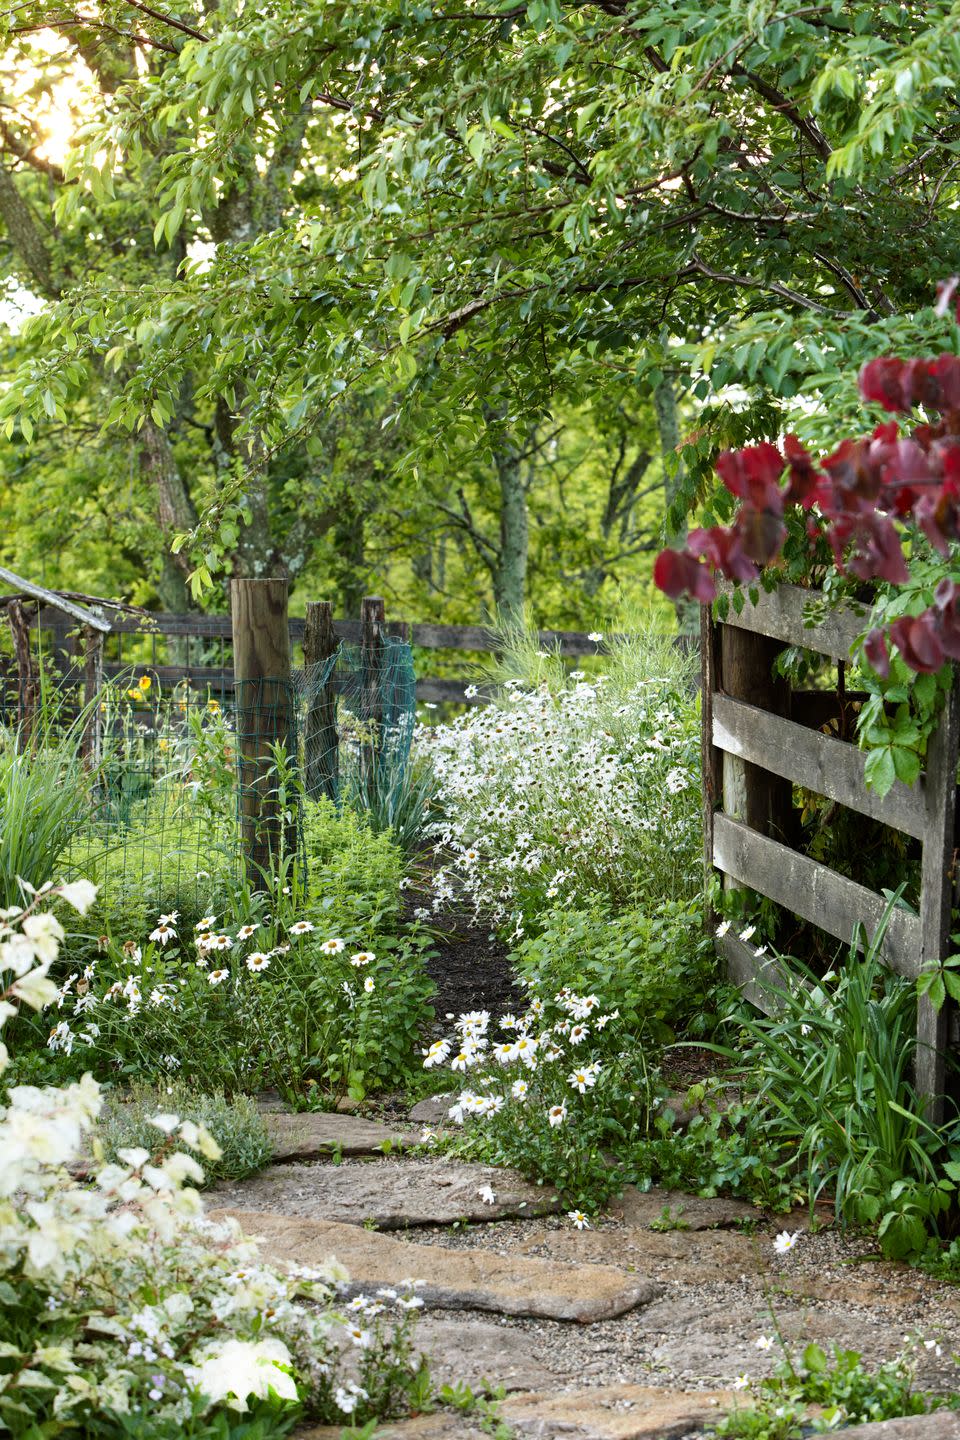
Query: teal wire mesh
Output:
(359,713)
(162,826)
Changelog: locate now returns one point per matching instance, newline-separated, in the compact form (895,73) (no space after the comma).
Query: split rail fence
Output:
(204,646)
(759,740)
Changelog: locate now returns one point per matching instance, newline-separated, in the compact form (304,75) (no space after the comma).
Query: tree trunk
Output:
(510,573)
(175,509)
(350,541)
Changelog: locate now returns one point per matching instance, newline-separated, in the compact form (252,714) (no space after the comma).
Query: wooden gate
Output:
(759,739)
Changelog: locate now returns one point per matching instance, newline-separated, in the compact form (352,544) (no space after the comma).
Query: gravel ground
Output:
(702,1334)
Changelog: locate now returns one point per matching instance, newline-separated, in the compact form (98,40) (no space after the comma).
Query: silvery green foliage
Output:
(118,1294)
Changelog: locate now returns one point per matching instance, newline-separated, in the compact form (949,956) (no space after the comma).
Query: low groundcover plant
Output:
(118,1298)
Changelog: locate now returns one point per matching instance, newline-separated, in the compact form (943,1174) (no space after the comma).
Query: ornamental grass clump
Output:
(123,1307)
(831,1076)
(570,785)
(562,1096)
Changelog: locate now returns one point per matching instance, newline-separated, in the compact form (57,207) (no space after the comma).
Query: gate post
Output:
(261,662)
(321,741)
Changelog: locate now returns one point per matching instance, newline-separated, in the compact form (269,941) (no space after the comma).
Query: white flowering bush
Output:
(274,1001)
(570,785)
(118,1299)
(562,1095)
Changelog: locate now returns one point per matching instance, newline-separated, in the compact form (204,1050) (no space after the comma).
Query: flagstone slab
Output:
(683,1212)
(453,1279)
(693,1257)
(390,1195)
(614,1412)
(938,1425)
(482,1354)
(317,1135)
(611,1412)
(435,1110)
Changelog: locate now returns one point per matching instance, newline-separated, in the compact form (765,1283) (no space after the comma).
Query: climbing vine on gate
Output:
(883,513)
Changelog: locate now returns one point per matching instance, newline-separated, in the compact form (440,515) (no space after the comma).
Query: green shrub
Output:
(351,867)
(235,1124)
(656,967)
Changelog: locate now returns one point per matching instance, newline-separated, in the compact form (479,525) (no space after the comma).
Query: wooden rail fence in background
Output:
(195,632)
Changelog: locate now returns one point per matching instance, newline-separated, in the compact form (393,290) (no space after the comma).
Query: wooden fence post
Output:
(26,674)
(321,740)
(936,897)
(261,660)
(761,800)
(372,621)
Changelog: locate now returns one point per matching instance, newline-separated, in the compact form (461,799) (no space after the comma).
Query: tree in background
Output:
(507,211)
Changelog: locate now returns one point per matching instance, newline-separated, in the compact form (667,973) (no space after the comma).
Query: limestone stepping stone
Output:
(454,1279)
(482,1355)
(687,1212)
(391,1196)
(433,1111)
(686,1257)
(610,1412)
(939,1425)
(317,1135)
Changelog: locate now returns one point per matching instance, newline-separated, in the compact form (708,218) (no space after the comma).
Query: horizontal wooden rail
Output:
(813,891)
(818,762)
(427,636)
(780,614)
(759,978)
(203,677)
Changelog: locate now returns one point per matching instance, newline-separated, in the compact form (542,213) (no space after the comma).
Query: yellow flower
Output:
(213,705)
(145,682)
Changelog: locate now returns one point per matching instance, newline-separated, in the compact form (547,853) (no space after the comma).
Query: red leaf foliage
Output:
(863,497)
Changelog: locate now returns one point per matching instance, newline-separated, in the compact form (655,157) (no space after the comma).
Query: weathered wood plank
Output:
(813,891)
(57,602)
(936,896)
(758,977)
(780,614)
(426,635)
(710,758)
(829,767)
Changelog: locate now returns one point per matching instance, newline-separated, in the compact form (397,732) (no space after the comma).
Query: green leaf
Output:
(879,770)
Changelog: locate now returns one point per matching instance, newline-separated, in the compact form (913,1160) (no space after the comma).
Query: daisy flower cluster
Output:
(536,1072)
(376,1335)
(99,1262)
(149,997)
(553,792)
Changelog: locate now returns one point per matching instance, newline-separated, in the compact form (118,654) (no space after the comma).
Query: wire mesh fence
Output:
(192,791)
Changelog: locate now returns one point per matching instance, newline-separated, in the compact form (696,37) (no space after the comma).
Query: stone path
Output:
(619,1332)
